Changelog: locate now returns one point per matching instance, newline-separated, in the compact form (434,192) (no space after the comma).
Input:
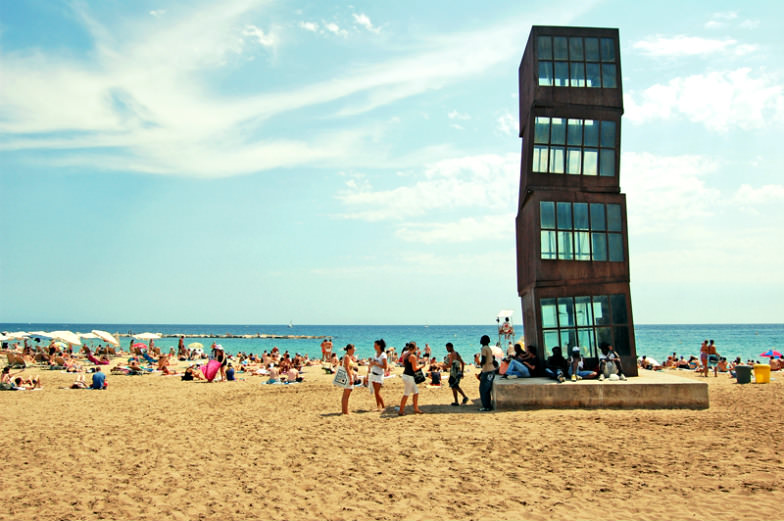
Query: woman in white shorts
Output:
(378,367)
(409,385)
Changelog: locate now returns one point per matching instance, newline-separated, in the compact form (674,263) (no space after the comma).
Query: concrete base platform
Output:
(650,390)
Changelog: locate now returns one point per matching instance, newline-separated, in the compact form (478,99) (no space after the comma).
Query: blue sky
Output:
(258,162)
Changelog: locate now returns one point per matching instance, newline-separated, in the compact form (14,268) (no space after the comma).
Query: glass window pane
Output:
(604,336)
(576,49)
(618,303)
(591,133)
(540,159)
(586,340)
(580,216)
(597,217)
(608,50)
(622,345)
(575,134)
(558,131)
(599,243)
(582,308)
(590,160)
(615,245)
(564,216)
(542,130)
(577,77)
(592,49)
(608,134)
(546,73)
(561,74)
(557,160)
(549,316)
(592,75)
(565,312)
(601,310)
(582,248)
(607,162)
(568,340)
(609,80)
(548,244)
(551,339)
(565,248)
(560,49)
(547,214)
(614,217)
(544,50)
(573,160)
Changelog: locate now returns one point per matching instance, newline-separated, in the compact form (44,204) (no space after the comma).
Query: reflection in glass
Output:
(547,214)
(557,160)
(618,303)
(560,49)
(608,134)
(582,307)
(568,340)
(614,217)
(607,162)
(565,312)
(580,216)
(542,130)
(604,336)
(599,242)
(591,133)
(558,131)
(590,160)
(546,73)
(549,314)
(575,134)
(544,49)
(608,50)
(592,49)
(586,342)
(582,247)
(609,80)
(565,248)
(561,74)
(615,245)
(551,340)
(576,49)
(592,75)
(540,159)
(597,217)
(548,244)
(577,77)
(621,345)
(601,310)
(564,216)
(573,160)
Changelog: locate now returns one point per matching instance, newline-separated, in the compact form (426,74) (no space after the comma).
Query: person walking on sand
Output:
(377,368)
(456,370)
(409,384)
(350,380)
(487,375)
(704,357)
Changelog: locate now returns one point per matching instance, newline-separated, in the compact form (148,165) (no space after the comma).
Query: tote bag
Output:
(341,377)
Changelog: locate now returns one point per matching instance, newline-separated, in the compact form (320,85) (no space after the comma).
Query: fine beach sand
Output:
(154,447)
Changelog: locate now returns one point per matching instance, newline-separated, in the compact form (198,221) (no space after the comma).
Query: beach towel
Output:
(96,361)
(210,370)
(149,358)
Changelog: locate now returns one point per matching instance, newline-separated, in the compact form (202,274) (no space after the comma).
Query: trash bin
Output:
(743,374)
(762,373)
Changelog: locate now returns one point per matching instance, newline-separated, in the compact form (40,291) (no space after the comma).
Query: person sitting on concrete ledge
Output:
(557,366)
(577,370)
(521,365)
(609,362)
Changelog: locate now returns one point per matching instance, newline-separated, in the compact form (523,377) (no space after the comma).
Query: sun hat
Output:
(219,347)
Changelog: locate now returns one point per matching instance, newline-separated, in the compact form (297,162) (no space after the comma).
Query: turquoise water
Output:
(657,341)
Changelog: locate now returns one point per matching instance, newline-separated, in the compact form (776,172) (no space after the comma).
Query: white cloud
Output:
(667,193)
(335,29)
(266,40)
(466,229)
(453,114)
(767,194)
(682,45)
(158,12)
(750,24)
(486,183)
(363,20)
(507,124)
(717,100)
(309,26)
(719,20)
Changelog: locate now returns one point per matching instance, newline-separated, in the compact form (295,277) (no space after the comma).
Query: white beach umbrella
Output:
(3,338)
(66,336)
(505,313)
(42,334)
(89,336)
(497,352)
(107,337)
(147,336)
(17,335)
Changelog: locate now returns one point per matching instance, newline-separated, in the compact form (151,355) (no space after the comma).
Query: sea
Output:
(657,341)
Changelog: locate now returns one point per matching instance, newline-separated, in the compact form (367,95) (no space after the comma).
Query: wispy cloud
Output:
(716,100)
(507,124)
(335,29)
(721,19)
(309,26)
(364,21)
(265,39)
(158,12)
(681,45)
(455,115)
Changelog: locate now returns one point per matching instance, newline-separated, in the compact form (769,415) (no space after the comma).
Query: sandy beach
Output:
(155,447)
